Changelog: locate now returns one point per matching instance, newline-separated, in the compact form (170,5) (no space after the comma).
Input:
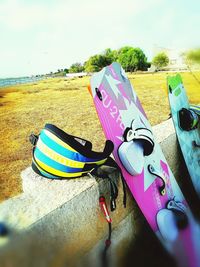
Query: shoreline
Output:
(7,82)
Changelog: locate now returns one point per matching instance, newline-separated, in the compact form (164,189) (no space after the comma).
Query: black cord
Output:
(113,187)
(124,190)
(105,262)
(110,162)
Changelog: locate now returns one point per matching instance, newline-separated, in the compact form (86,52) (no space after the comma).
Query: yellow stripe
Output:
(195,108)
(58,140)
(57,157)
(63,160)
(57,172)
(98,162)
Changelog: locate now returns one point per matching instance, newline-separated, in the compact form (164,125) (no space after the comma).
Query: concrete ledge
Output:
(44,228)
(54,223)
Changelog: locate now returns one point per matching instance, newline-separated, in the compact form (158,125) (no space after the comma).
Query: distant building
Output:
(152,68)
(176,61)
(78,74)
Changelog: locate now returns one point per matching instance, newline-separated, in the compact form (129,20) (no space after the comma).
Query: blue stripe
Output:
(196,109)
(42,172)
(52,163)
(62,150)
(48,175)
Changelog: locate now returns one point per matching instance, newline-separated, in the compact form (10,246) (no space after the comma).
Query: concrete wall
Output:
(59,223)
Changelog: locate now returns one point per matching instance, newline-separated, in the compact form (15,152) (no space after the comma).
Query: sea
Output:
(12,81)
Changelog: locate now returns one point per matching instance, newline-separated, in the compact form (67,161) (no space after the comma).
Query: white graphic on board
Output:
(113,84)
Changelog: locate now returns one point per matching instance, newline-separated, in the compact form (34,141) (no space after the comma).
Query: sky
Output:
(40,36)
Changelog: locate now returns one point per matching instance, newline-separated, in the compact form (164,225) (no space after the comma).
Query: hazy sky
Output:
(39,36)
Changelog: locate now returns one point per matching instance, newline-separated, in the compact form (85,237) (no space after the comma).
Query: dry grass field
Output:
(67,104)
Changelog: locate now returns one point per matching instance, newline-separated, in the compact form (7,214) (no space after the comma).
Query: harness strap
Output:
(113,187)
(110,162)
(58,155)
(33,138)
(113,196)
(196,109)
(52,145)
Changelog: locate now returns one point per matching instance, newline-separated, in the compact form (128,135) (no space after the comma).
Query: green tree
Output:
(66,70)
(111,55)
(76,67)
(97,62)
(132,59)
(160,60)
(193,56)
(92,64)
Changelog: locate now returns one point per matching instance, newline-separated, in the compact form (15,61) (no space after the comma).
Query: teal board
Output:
(178,99)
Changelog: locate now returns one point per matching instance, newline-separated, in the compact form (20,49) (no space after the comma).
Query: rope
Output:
(113,196)
(107,245)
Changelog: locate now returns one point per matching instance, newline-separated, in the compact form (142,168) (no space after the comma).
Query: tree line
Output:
(130,58)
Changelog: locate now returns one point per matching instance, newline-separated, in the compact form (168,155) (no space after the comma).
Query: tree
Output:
(111,55)
(92,64)
(97,62)
(66,70)
(193,56)
(76,67)
(132,59)
(160,60)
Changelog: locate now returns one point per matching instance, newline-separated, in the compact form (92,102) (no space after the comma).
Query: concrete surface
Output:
(59,223)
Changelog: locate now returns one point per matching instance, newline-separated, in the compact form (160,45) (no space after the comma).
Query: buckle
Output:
(33,139)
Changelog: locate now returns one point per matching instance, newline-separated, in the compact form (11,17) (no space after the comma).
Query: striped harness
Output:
(58,155)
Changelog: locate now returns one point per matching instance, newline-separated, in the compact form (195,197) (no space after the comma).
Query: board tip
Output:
(89,89)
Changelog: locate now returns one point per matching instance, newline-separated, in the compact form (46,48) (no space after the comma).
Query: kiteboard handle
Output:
(158,174)
(194,143)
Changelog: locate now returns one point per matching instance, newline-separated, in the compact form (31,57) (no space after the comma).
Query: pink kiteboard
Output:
(144,166)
